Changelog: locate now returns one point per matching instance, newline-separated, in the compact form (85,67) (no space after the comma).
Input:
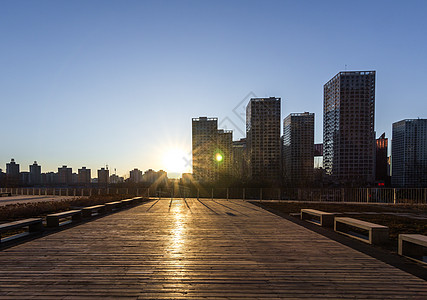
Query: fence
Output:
(359,195)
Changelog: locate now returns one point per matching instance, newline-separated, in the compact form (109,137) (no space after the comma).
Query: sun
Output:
(175,160)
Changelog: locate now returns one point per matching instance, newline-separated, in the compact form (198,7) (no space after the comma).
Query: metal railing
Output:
(358,195)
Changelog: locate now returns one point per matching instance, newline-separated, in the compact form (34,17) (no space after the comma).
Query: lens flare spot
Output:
(218,157)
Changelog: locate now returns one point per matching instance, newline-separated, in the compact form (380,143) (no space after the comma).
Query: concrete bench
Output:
(91,211)
(318,217)
(55,220)
(34,225)
(376,234)
(5,194)
(413,246)
(112,206)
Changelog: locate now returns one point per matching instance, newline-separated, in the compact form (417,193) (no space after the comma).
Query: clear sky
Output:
(89,83)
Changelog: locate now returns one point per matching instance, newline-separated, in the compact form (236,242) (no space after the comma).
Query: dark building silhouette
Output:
(103,176)
(212,150)
(298,149)
(381,161)
(204,140)
(12,169)
(84,176)
(239,159)
(409,153)
(12,173)
(49,178)
(24,178)
(35,174)
(2,177)
(224,154)
(263,140)
(116,179)
(348,128)
(65,175)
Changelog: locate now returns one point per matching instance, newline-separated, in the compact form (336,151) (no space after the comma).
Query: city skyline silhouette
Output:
(90,84)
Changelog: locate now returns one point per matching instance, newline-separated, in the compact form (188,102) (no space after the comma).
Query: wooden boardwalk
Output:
(196,249)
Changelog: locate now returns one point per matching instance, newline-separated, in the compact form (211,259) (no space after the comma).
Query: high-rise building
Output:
(224,153)
(103,176)
(409,153)
(35,174)
(381,161)
(318,156)
(348,128)
(204,136)
(239,159)
(65,175)
(84,176)
(298,149)
(263,140)
(212,150)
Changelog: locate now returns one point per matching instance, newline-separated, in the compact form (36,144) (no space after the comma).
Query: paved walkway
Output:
(196,249)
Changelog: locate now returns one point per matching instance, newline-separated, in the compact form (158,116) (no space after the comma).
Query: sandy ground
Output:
(28,199)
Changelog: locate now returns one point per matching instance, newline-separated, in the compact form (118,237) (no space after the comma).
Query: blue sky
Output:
(89,83)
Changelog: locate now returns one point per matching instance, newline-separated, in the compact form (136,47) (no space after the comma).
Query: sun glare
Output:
(218,157)
(174,160)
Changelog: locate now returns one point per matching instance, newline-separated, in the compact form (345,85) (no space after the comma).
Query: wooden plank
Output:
(196,250)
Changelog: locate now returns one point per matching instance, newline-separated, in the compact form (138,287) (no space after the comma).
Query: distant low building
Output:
(24,178)
(35,174)
(103,176)
(187,178)
(12,172)
(84,176)
(65,175)
(49,178)
(135,176)
(116,179)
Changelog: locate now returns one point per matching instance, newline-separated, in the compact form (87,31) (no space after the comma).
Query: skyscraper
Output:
(348,127)
(263,140)
(409,153)
(239,159)
(204,139)
(224,154)
(298,149)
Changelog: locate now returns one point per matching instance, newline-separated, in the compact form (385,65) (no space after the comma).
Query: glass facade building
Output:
(409,153)
(348,128)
